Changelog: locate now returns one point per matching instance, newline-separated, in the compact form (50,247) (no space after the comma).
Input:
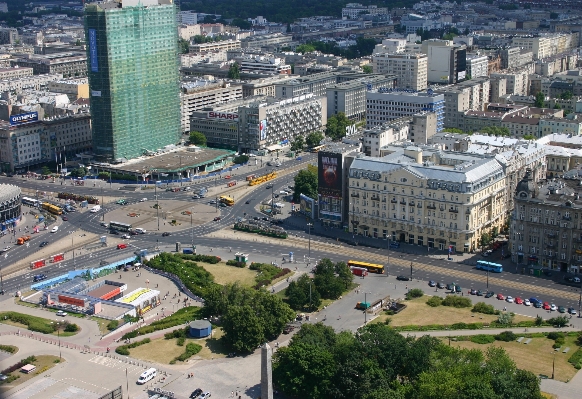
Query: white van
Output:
(146,376)
(139,230)
(96,209)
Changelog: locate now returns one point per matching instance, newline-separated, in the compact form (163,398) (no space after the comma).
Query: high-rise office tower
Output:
(132,57)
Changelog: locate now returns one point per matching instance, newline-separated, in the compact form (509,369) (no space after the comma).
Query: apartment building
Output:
(350,97)
(374,139)
(543,46)
(447,202)
(264,86)
(356,10)
(515,57)
(447,63)
(386,105)
(70,64)
(470,95)
(316,83)
(571,124)
(270,40)
(477,66)
(546,230)
(35,82)
(271,65)
(16,72)
(410,69)
(73,88)
(516,81)
(8,36)
(222,45)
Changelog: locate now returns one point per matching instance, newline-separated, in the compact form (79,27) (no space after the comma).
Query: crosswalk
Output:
(132,366)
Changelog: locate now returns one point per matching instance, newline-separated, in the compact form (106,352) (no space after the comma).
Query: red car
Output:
(216,219)
(500,297)
(121,246)
(546,306)
(519,301)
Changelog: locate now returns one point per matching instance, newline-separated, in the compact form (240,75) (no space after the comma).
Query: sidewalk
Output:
(488,331)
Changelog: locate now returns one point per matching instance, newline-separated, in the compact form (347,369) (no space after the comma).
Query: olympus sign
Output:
(23,118)
(222,115)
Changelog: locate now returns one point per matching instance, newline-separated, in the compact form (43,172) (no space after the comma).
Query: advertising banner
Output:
(23,118)
(263,130)
(222,116)
(93,50)
(57,258)
(307,206)
(329,174)
(71,301)
(37,263)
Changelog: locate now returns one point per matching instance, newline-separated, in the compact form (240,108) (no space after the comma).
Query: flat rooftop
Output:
(100,291)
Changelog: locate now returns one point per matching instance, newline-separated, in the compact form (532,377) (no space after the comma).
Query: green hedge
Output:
(457,301)
(414,293)
(506,336)
(72,327)
(124,349)
(482,339)
(432,327)
(191,350)
(267,273)
(33,323)
(232,262)
(482,307)
(201,258)
(434,301)
(182,316)
(8,348)
(576,359)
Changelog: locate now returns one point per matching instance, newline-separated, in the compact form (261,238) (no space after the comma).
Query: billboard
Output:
(263,130)
(329,174)
(93,50)
(23,118)
(71,300)
(227,116)
(307,206)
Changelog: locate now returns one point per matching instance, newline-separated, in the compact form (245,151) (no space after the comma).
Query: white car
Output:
(509,299)
(143,200)
(205,395)
(6,249)
(526,302)
(553,307)
(126,236)
(61,313)
(487,253)
(55,229)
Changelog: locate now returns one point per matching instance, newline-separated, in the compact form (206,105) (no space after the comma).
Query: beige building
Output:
(410,69)
(214,46)
(547,45)
(17,72)
(450,201)
(73,88)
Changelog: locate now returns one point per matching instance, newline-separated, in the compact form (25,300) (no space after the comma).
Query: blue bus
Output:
(489,266)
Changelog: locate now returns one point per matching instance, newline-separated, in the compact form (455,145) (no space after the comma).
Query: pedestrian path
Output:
(112,362)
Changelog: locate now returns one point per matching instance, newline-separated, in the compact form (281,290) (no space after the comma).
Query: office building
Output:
(350,97)
(374,139)
(8,35)
(70,64)
(187,17)
(477,66)
(386,105)
(470,95)
(133,77)
(270,65)
(221,45)
(422,127)
(14,73)
(447,63)
(269,41)
(356,10)
(447,202)
(410,69)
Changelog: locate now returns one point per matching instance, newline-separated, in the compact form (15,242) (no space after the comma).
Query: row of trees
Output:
(379,363)
(329,282)
(306,183)
(313,139)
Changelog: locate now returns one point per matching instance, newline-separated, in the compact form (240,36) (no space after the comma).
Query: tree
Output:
(567,95)
(540,100)
(306,184)
(314,139)
(233,71)
(453,130)
(328,285)
(183,46)
(367,69)
(45,171)
(495,131)
(197,138)
(241,159)
(242,328)
(305,48)
(297,144)
(79,172)
(485,239)
(336,126)
(557,106)
(528,137)
(298,293)
(505,318)
(241,23)
(344,274)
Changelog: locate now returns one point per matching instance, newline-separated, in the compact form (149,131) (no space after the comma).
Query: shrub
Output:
(457,301)
(539,321)
(482,307)
(434,301)
(556,335)
(8,348)
(201,258)
(33,323)
(575,359)
(181,341)
(124,349)
(235,263)
(559,343)
(112,325)
(179,333)
(505,319)
(414,293)
(72,327)
(560,321)
(191,350)
(506,336)
(482,339)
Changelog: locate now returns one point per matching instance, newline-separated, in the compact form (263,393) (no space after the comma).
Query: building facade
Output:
(410,69)
(350,97)
(133,77)
(69,65)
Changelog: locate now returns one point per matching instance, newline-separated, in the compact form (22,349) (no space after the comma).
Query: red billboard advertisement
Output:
(330,174)
(57,258)
(37,263)
(71,300)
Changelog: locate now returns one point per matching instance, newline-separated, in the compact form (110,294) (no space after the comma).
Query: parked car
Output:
(205,395)
(61,313)
(561,309)
(126,236)
(553,307)
(166,234)
(43,244)
(546,306)
(3,377)
(473,291)
(143,200)
(500,297)
(431,283)
(458,289)
(533,300)
(441,285)
(509,299)
(572,311)
(519,301)
(450,287)
(195,394)
(403,278)
(537,305)
(195,196)
(526,302)
(480,293)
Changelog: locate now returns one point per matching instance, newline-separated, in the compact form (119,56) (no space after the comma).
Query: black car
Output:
(403,278)
(44,244)
(195,394)
(489,294)
(441,285)
(39,277)
(256,218)
(166,234)
(247,202)
(431,283)
(114,232)
(450,287)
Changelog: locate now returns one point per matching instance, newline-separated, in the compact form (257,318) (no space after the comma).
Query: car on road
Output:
(121,202)
(143,200)
(166,234)
(431,283)
(7,248)
(473,291)
(195,394)
(104,224)
(44,244)
(546,306)
(553,307)
(126,236)
(195,196)
(114,232)
(266,219)
(64,218)
(247,202)
(572,311)
(216,219)
(403,278)
(526,302)
(441,285)
(256,218)
(55,229)
(212,202)
(509,299)
(500,297)
(269,186)
(3,377)
(205,395)
(61,313)
(39,277)
(561,309)
(223,205)
(487,253)
(133,232)
(519,301)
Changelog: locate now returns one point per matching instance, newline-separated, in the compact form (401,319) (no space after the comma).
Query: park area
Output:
(16,377)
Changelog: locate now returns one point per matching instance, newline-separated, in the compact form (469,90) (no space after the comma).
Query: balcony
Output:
(411,203)
(375,198)
(551,256)
(454,210)
(356,195)
(550,245)
(567,217)
(431,207)
(468,212)
(551,234)
(403,202)
(393,201)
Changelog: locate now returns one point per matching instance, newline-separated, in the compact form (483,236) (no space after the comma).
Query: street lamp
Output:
(309,242)
(366,307)
(59,335)
(192,227)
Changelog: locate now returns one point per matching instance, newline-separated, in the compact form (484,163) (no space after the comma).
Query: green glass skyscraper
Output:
(132,57)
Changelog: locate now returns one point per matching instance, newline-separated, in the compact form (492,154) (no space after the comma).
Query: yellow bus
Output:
(55,210)
(371,267)
(227,200)
(317,148)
